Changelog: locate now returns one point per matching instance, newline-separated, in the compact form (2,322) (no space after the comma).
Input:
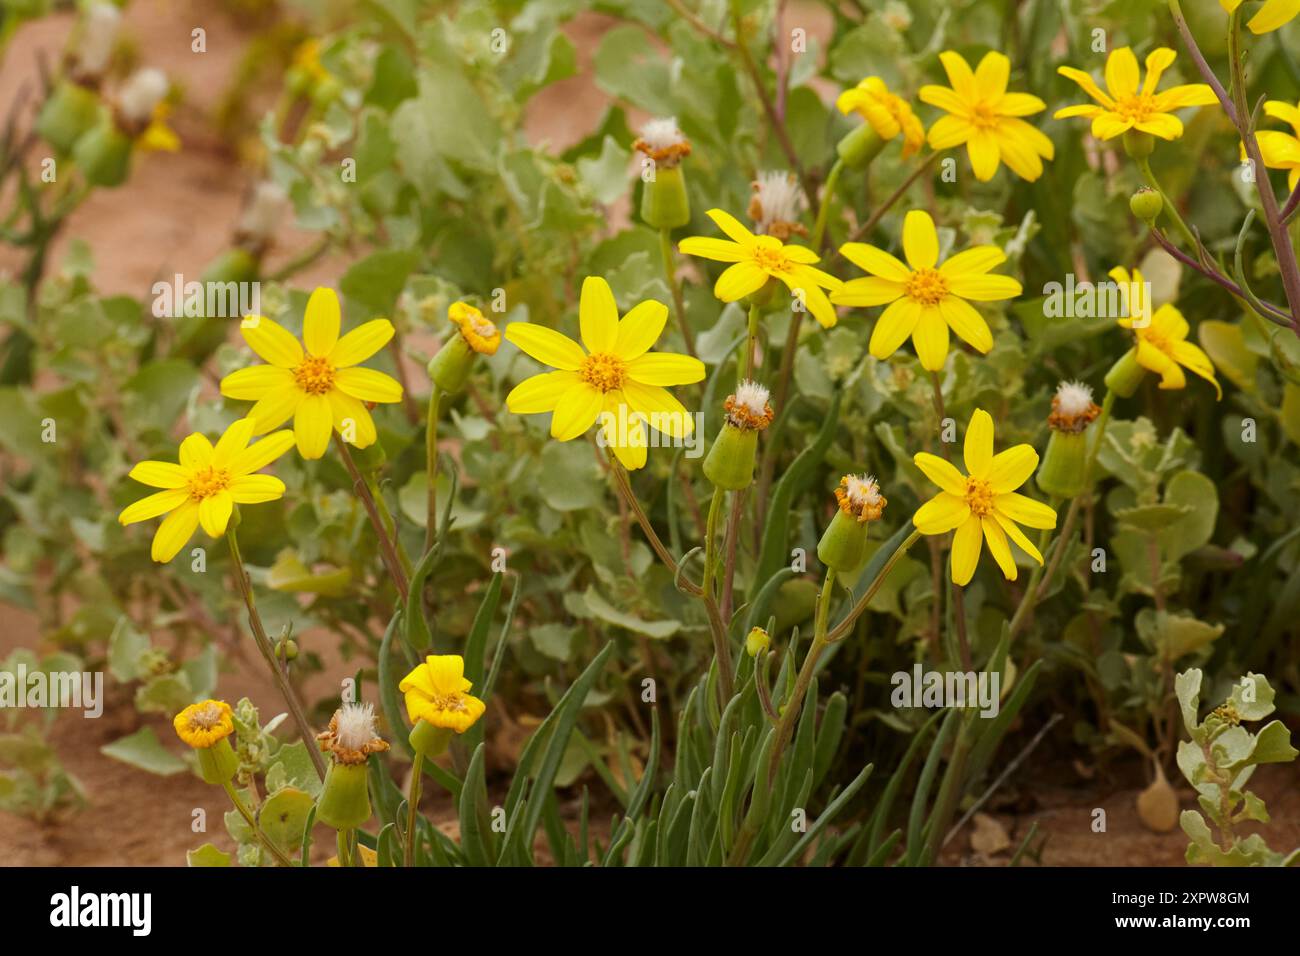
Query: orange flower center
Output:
(1138,107)
(984,116)
(208,482)
(315,376)
(927,287)
(451,703)
(1156,339)
(979,495)
(603,371)
(771,260)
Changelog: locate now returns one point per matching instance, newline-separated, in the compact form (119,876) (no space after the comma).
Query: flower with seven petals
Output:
(987,118)
(617,379)
(758,259)
(926,299)
(982,506)
(319,382)
(1131,102)
(204,488)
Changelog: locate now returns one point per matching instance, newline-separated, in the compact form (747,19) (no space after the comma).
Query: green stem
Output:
(1144,166)
(751,345)
(275,851)
(268,653)
(431,468)
(841,630)
(710,536)
(412,807)
(388,548)
(823,210)
(675,288)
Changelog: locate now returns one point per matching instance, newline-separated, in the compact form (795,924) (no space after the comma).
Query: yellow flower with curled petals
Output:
(1279,149)
(1273,14)
(888,114)
(206,485)
(1131,102)
(982,505)
(987,118)
(319,382)
(203,724)
(479,332)
(1162,345)
(438,693)
(756,260)
(926,298)
(616,379)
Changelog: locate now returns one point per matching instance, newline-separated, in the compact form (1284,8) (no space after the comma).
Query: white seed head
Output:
(753,397)
(664,133)
(1073,398)
(355,725)
(98,34)
(265,211)
(141,93)
(862,490)
(777,198)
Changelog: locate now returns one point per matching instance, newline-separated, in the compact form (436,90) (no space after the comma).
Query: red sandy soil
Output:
(174,215)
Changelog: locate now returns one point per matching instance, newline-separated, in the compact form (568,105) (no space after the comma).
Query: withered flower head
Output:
(1072,408)
(749,409)
(351,736)
(859,497)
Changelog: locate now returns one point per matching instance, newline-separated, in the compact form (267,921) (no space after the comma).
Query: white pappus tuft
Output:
(862,490)
(1073,398)
(777,198)
(141,93)
(355,725)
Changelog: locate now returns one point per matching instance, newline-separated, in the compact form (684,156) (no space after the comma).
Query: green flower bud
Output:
(429,740)
(664,202)
(344,801)
(104,155)
(860,147)
(1125,375)
(218,763)
(69,112)
(1062,472)
(756,641)
(1147,205)
(730,461)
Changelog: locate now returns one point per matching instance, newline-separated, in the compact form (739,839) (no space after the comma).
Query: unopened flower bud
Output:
(843,544)
(730,461)
(664,201)
(1146,204)
(1062,472)
(756,641)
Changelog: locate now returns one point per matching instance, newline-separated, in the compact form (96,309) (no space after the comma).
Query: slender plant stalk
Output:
(387,544)
(824,207)
(710,540)
(1144,167)
(675,288)
(431,468)
(268,652)
(275,851)
(746,364)
(841,630)
(412,807)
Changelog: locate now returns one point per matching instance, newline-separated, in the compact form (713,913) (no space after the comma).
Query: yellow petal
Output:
(666,368)
(1164,125)
(943,473)
(984,155)
(1011,469)
(738,281)
(1122,73)
(950,131)
(253,383)
(1022,510)
(1196,361)
(272,341)
(214,513)
(175,530)
(966,322)
(361,343)
(597,315)
(991,76)
(1110,125)
(1088,84)
(966,543)
(351,419)
(732,227)
(261,453)
(978,449)
(640,329)
(255,489)
(960,76)
(575,412)
(719,250)
(195,452)
(931,339)
(893,327)
(1020,104)
(920,240)
(986,288)
(312,424)
(660,409)
(631,447)
(815,300)
(1154,360)
(972,262)
(876,261)
(944,98)
(154,505)
(546,345)
(368,385)
(1015,534)
(234,440)
(275,408)
(541,393)
(160,474)
(1158,60)
(1272,15)
(941,514)
(998,547)
(867,292)
(320,323)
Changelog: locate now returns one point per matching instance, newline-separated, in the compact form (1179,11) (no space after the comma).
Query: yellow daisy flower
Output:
(982,506)
(926,299)
(479,332)
(204,488)
(987,118)
(437,693)
(1273,14)
(1129,106)
(203,724)
(1162,345)
(888,114)
(759,259)
(320,386)
(617,379)
(1281,150)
